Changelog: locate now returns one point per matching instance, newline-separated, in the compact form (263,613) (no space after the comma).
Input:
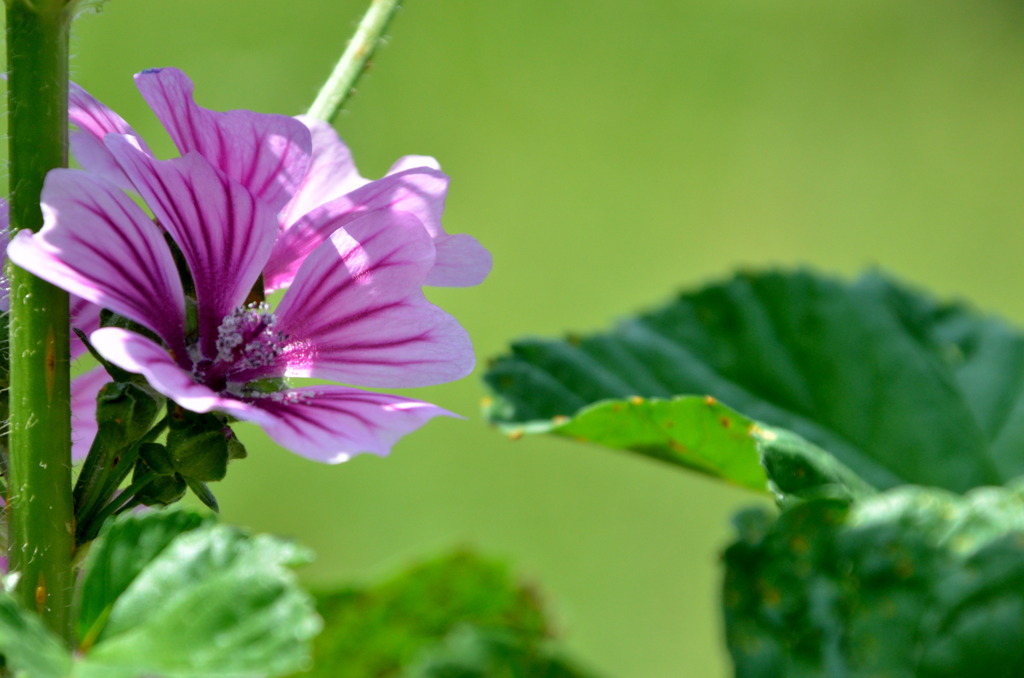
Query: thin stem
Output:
(121,502)
(104,469)
(340,85)
(39,499)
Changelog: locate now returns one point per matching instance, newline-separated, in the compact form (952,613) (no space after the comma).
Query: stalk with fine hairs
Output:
(336,90)
(39,482)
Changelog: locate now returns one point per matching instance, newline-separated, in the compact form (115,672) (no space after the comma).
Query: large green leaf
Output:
(126,547)
(914,582)
(703,435)
(899,388)
(697,433)
(406,623)
(215,601)
(28,648)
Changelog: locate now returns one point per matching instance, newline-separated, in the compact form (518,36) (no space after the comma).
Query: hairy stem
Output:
(339,85)
(39,490)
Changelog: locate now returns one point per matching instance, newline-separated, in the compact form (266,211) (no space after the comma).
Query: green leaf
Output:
(899,388)
(799,470)
(382,630)
(27,647)
(116,558)
(216,601)
(986,356)
(913,582)
(703,435)
(697,433)
(468,652)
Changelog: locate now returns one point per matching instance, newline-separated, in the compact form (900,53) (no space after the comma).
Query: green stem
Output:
(39,499)
(339,86)
(102,473)
(121,502)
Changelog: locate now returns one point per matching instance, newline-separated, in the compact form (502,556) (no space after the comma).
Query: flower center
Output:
(246,342)
(246,339)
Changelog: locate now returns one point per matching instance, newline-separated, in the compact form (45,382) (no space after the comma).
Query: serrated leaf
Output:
(913,582)
(215,602)
(382,630)
(123,550)
(900,389)
(28,648)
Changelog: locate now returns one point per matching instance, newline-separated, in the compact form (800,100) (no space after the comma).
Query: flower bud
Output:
(124,413)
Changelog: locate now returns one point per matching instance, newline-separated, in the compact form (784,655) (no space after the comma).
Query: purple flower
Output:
(298,167)
(354,312)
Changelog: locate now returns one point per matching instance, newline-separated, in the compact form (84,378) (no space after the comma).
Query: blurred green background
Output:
(609,154)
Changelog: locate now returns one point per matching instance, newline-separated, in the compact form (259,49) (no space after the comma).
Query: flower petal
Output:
(84,389)
(268,154)
(356,311)
(460,262)
(99,245)
(224,233)
(137,354)
(330,424)
(94,121)
(413,161)
(332,172)
(85,316)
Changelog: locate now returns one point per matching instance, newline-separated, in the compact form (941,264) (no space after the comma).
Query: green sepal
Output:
(198,445)
(203,493)
(236,450)
(155,458)
(155,480)
(203,456)
(125,412)
(161,491)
